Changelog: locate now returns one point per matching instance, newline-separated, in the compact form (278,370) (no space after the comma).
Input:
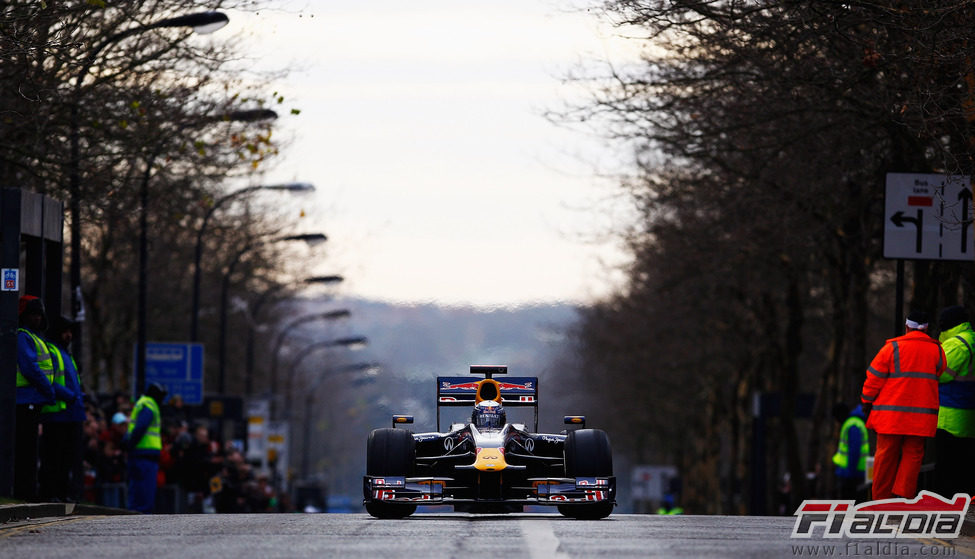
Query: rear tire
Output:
(588,454)
(390,452)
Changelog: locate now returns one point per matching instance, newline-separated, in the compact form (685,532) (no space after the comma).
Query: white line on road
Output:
(540,539)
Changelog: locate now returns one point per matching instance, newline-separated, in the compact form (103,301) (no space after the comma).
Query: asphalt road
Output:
(531,536)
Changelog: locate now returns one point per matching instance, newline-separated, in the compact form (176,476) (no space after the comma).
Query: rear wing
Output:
(511,391)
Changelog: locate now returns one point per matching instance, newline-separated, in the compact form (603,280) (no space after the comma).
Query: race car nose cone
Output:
(490,460)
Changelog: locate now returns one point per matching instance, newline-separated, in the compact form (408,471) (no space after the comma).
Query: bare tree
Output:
(152,108)
(761,134)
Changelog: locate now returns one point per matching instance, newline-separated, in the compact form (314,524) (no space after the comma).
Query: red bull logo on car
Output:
(459,386)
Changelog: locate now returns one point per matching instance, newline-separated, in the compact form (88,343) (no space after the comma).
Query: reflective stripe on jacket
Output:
(957,390)
(59,378)
(152,440)
(75,405)
(44,360)
(902,385)
(842,456)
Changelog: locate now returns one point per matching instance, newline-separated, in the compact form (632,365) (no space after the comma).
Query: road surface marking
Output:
(541,540)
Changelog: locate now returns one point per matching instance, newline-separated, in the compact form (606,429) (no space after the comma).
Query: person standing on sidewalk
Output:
(35,374)
(954,442)
(900,398)
(852,450)
(144,443)
(62,441)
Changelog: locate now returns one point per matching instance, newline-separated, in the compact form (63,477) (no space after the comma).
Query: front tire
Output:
(387,511)
(588,454)
(390,452)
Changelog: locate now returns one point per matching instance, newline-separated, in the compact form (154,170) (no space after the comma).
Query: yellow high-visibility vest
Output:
(152,440)
(44,360)
(59,372)
(842,456)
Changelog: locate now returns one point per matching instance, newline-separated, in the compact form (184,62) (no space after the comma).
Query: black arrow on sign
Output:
(965,196)
(899,219)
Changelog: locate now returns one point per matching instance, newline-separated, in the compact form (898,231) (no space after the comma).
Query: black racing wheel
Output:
(390,452)
(588,454)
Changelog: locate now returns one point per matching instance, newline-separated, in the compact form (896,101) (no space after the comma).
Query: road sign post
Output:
(277,448)
(258,413)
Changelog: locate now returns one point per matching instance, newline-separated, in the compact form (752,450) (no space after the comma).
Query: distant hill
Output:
(423,341)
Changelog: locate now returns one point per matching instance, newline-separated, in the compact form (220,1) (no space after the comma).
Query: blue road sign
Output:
(178,367)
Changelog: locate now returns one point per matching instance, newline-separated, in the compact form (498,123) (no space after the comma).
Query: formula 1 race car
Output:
(487,465)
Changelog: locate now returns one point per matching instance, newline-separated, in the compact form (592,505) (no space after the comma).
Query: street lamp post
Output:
(198,252)
(143,290)
(255,311)
(224,295)
(279,341)
(370,370)
(352,342)
(204,22)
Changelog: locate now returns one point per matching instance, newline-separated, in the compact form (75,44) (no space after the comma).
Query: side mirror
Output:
(577,420)
(402,420)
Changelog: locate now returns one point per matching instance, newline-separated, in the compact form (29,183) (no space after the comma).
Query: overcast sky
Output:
(421,125)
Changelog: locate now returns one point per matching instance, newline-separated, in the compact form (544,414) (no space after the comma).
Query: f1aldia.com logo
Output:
(927,515)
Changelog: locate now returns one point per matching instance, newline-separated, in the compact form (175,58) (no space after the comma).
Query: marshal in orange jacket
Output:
(902,386)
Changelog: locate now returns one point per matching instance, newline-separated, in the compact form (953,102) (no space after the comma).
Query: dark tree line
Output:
(761,134)
(159,108)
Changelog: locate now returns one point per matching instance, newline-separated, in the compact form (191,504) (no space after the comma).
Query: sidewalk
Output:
(25,511)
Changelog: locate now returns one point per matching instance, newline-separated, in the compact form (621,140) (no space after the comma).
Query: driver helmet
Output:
(488,415)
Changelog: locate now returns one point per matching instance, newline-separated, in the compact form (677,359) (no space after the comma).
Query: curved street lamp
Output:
(369,370)
(310,238)
(325,280)
(351,342)
(255,311)
(203,22)
(286,329)
(198,251)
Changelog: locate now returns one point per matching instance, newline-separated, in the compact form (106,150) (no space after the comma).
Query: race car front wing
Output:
(542,491)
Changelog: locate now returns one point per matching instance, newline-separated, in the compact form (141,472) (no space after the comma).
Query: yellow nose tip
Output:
(490,460)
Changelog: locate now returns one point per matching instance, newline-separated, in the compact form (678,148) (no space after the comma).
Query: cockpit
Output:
(487,415)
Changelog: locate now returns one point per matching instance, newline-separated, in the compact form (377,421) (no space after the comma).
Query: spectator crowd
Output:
(71,447)
(197,473)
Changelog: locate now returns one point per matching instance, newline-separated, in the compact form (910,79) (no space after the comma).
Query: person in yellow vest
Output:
(954,441)
(852,450)
(669,505)
(61,475)
(144,443)
(35,375)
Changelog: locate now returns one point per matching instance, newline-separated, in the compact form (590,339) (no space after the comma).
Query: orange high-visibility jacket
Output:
(902,386)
